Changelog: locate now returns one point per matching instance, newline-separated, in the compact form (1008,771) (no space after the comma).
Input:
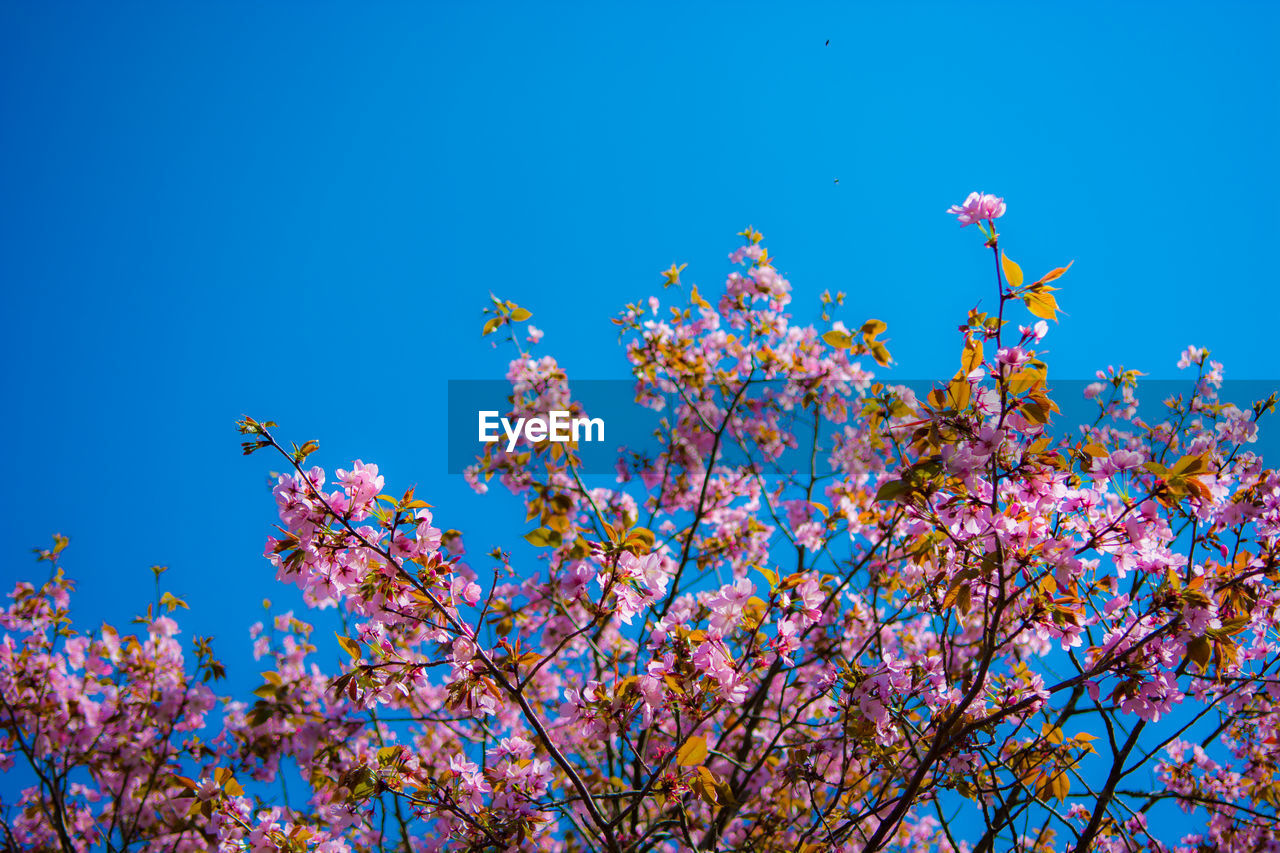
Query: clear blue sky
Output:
(296,210)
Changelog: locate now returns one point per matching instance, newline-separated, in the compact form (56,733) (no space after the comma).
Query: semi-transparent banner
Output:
(783,427)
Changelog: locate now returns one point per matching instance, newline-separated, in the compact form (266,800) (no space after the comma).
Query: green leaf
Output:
(521,314)
(491,325)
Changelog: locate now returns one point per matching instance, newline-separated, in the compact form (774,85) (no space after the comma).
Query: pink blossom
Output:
(1035,332)
(1013,356)
(1192,355)
(976,207)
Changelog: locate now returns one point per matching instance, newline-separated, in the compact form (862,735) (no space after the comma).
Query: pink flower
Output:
(976,207)
(428,536)
(1126,459)
(727,603)
(1013,356)
(515,747)
(463,650)
(710,658)
(810,535)
(787,640)
(732,596)
(465,590)
(1036,332)
(362,482)
(1192,355)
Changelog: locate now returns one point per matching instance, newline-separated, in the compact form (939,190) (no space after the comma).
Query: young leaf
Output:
(697,299)
(971,358)
(838,339)
(349,645)
(881,354)
(1053,273)
(892,490)
(1043,305)
(1199,651)
(543,537)
(770,575)
(873,327)
(189,784)
(693,752)
(1012,272)
(703,787)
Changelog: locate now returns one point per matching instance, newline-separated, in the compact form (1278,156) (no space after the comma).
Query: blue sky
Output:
(297,211)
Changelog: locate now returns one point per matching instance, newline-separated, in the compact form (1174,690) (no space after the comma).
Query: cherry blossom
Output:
(935,621)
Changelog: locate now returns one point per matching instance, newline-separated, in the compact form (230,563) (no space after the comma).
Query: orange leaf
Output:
(1053,273)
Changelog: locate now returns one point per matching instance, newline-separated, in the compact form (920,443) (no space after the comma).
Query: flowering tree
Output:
(946,630)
